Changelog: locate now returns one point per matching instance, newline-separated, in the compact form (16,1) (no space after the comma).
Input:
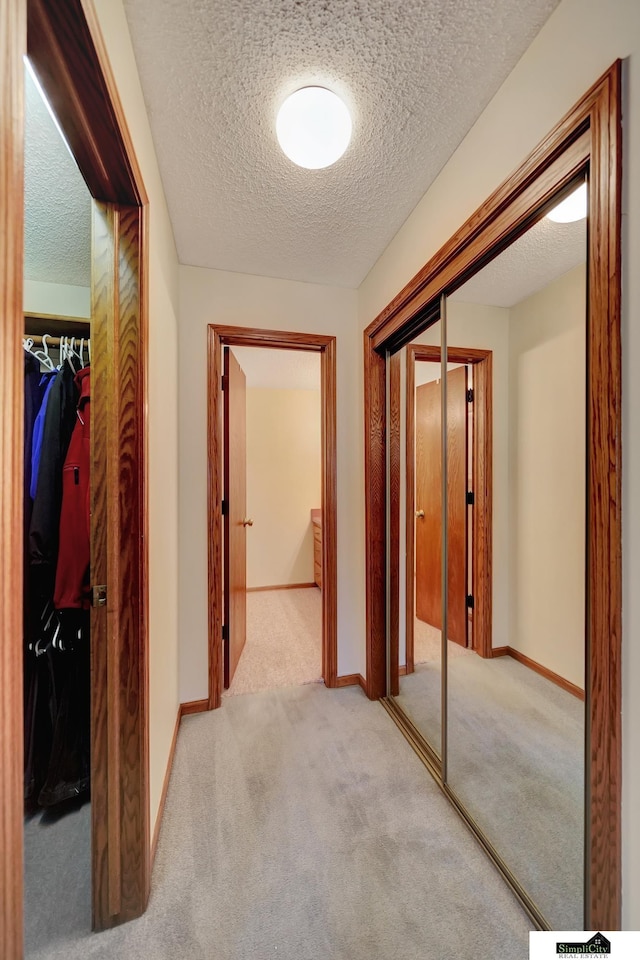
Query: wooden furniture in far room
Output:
(316,522)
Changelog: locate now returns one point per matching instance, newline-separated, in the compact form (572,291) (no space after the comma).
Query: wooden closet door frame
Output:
(67,51)
(482,487)
(219,336)
(586,141)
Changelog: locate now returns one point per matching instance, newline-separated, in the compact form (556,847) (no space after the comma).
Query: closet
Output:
(56,624)
(57,401)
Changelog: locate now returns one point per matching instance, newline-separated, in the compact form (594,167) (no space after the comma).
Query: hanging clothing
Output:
(46,383)
(32,399)
(72,572)
(68,771)
(57,673)
(59,422)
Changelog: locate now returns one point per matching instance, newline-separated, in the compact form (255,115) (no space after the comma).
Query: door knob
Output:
(247,522)
(419,514)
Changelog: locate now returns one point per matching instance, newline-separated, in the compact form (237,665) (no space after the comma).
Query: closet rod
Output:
(54,341)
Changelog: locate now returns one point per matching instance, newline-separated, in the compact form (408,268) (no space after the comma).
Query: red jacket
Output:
(72,571)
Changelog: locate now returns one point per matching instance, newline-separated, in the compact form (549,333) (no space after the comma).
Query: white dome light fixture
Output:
(313,127)
(572,208)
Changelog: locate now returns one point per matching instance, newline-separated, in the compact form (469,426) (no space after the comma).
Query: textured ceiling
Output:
(416,74)
(544,253)
(279,369)
(57,241)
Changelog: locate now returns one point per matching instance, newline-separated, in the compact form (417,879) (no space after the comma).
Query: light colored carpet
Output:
(427,642)
(420,691)
(284,641)
(57,876)
(300,824)
(516,760)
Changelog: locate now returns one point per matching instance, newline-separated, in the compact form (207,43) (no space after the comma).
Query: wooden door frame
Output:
(482,486)
(228,336)
(586,140)
(66,48)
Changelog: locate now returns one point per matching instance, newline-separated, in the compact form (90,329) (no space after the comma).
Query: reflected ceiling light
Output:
(573,207)
(313,127)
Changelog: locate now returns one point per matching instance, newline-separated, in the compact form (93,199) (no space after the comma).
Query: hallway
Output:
(300,824)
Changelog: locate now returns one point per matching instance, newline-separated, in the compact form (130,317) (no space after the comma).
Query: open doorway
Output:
(272,412)
(272,597)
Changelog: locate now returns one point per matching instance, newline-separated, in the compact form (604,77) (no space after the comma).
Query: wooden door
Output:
(235,510)
(428,533)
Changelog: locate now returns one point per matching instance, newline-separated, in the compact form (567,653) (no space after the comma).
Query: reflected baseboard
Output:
(571,688)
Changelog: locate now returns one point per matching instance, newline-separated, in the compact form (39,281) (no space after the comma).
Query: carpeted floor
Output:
(420,691)
(516,760)
(300,824)
(284,641)
(57,875)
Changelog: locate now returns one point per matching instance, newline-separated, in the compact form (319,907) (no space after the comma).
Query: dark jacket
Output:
(59,422)
(72,573)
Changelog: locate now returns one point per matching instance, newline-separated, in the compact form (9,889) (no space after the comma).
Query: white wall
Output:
(61,299)
(215,296)
(162,408)
(284,463)
(547,455)
(577,44)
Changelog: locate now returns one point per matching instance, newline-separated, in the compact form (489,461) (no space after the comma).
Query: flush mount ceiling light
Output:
(573,207)
(313,127)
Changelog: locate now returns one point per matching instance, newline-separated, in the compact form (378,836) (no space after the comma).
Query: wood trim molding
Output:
(13,42)
(83,93)
(120,722)
(193,706)
(410,527)
(587,139)
(281,586)
(375,518)
(351,680)
(165,787)
(395,404)
(559,681)
(482,535)
(329,491)
(219,336)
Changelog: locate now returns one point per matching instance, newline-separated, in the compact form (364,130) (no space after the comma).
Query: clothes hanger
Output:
(71,353)
(43,354)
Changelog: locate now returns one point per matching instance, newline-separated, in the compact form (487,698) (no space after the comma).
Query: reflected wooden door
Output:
(235,497)
(428,534)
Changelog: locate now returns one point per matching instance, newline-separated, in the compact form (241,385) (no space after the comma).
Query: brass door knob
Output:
(419,514)
(247,522)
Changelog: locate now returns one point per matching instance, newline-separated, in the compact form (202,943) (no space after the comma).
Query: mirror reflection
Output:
(514,738)
(516,706)
(420,648)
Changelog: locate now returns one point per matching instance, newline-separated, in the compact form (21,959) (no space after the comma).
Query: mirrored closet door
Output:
(491,519)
